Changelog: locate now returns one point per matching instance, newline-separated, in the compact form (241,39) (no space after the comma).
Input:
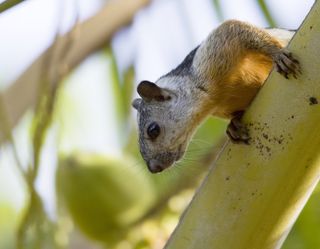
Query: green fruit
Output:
(103,195)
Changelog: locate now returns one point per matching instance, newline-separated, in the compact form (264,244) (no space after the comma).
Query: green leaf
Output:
(122,94)
(266,12)
(218,9)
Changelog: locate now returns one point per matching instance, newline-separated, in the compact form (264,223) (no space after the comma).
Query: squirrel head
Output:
(164,122)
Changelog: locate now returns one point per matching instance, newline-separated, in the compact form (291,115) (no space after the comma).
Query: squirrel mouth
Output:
(156,165)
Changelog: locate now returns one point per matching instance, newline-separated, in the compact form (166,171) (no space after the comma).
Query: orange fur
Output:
(241,84)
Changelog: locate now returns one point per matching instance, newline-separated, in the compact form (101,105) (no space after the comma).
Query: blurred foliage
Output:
(124,193)
(154,231)
(103,195)
(35,229)
(218,9)
(265,11)
(114,200)
(305,232)
(122,86)
(7,4)
(8,219)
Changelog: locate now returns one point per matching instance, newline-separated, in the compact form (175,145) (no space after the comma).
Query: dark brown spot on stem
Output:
(313,101)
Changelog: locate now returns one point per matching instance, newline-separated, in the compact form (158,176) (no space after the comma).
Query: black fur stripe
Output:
(184,68)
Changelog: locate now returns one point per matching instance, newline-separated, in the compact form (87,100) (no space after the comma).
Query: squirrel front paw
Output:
(286,64)
(236,131)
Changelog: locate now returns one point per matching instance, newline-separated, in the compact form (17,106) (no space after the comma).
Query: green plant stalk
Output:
(9,4)
(218,9)
(116,87)
(34,217)
(266,12)
(254,193)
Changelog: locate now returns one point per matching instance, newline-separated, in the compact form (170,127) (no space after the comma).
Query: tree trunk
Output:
(253,194)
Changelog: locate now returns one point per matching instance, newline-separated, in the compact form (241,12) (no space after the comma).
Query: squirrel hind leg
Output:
(237,131)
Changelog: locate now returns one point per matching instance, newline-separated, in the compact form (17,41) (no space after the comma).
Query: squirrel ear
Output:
(136,103)
(150,91)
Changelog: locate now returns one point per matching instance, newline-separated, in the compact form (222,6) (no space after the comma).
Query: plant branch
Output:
(41,122)
(9,4)
(5,129)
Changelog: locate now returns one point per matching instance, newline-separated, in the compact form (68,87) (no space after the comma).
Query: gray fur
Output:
(194,89)
(176,118)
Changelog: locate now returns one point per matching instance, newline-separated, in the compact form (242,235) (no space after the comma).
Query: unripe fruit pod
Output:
(103,195)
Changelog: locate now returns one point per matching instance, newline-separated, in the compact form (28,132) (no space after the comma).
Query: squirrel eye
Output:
(153,130)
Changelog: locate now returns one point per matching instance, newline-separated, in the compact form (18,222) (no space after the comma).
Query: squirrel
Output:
(219,77)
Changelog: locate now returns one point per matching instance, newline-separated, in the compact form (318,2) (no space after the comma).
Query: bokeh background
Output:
(70,171)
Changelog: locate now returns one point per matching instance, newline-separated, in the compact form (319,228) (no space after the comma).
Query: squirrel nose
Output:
(155,166)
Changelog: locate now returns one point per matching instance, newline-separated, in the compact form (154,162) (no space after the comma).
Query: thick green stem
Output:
(254,193)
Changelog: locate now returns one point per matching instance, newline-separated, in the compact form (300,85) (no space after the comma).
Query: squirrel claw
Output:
(236,131)
(286,64)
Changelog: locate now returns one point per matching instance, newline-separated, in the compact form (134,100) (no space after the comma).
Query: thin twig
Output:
(5,128)
(9,4)
(47,94)
(218,9)
(266,12)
